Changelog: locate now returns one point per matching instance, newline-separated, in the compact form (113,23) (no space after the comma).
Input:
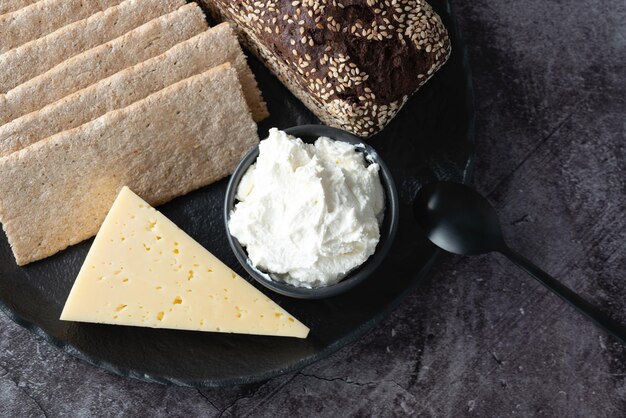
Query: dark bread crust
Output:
(354,63)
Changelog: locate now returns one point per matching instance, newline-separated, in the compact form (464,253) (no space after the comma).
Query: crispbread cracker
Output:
(80,71)
(7,6)
(45,16)
(39,55)
(193,56)
(183,137)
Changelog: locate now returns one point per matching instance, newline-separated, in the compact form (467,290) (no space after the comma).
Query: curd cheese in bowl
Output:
(308,214)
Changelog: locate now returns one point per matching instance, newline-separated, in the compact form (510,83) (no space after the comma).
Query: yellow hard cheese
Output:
(142,270)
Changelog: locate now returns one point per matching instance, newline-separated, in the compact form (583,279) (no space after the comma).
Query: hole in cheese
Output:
(177,300)
(159,316)
(120,307)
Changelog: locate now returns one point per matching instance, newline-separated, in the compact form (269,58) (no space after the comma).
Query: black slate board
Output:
(431,138)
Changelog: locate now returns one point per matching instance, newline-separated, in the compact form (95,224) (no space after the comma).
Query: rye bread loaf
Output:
(211,48)
(45,16)
(352,63)
(163,146)
(7,6)
(39,55)
(91,66)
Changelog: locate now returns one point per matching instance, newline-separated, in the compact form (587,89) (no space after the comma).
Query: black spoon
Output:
(461,221)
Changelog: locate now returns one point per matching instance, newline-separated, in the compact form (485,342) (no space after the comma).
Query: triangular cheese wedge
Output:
(142,270)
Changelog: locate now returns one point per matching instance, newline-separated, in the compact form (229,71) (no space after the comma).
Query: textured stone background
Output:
(480,338)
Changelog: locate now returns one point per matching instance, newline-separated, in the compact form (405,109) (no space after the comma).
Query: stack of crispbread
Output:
(111,93)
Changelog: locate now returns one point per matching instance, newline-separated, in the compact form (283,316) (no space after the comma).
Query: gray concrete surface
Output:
(480,338)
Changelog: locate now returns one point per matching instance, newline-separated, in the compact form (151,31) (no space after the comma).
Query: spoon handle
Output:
(591,311)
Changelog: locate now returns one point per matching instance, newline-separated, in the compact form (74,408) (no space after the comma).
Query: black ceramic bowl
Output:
(309,133)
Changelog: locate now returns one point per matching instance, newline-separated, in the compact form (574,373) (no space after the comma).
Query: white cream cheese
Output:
(308,214)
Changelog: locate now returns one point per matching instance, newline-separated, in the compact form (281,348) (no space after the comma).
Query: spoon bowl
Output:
(458,219)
